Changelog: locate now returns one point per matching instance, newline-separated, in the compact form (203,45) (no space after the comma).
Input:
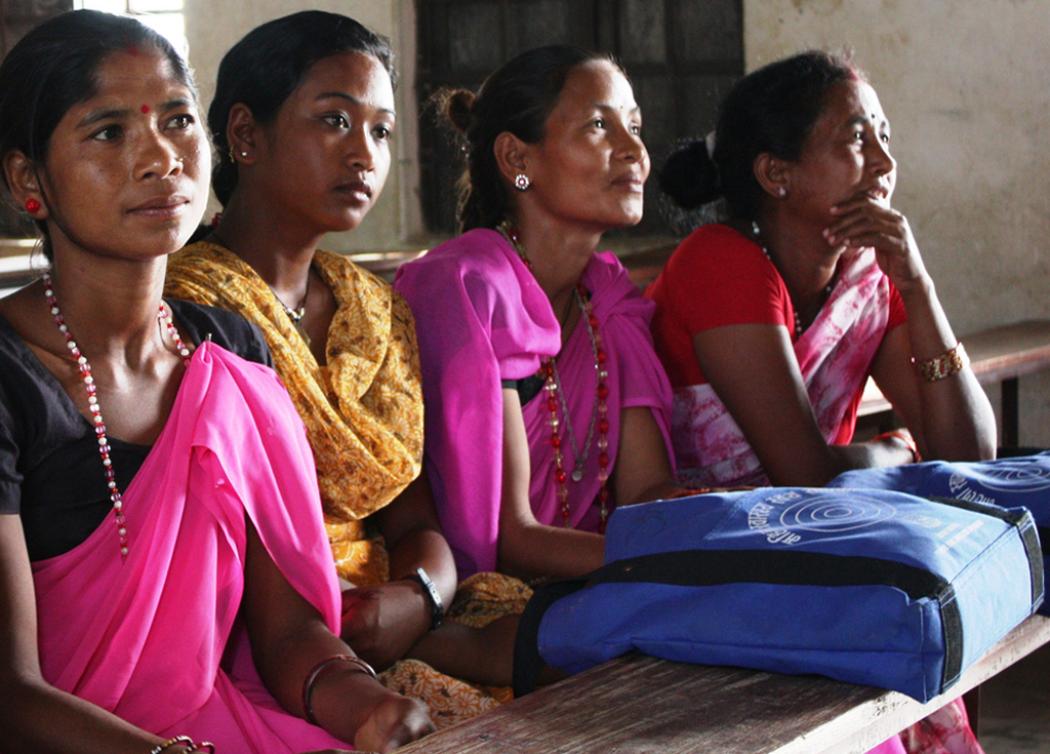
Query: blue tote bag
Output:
(1008,482)
(872,587)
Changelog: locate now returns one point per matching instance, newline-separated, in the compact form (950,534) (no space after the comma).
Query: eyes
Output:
(380,131)
(599,123)
(114,131)
(859,135)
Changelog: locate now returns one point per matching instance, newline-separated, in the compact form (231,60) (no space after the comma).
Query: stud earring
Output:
(782,191)
(522,182)
(32,205)
(229,153)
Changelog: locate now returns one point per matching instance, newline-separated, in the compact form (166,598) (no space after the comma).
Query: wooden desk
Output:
(1000,354)
(641,704)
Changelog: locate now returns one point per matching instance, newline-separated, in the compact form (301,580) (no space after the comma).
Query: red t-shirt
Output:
(718,277)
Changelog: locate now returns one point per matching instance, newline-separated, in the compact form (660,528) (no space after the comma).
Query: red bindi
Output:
(144,109)
(132,50)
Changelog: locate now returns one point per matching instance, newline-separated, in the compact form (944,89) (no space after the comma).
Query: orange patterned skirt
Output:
(480,599)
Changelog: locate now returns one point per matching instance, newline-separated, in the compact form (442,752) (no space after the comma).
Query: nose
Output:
(158,156)
(630,146)
(361,150)
(882,161)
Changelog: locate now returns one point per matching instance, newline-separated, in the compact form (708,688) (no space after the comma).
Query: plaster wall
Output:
(213,27)
(964,85)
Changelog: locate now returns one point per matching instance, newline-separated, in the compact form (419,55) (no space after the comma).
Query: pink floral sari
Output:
(482,318)
(834,356)
(146,638)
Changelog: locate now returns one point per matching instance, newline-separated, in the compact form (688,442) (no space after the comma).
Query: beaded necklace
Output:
(556,398)
(757,233)
(116,497)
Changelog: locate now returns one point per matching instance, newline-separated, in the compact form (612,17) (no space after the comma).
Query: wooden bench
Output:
(641,704)
(1000,354)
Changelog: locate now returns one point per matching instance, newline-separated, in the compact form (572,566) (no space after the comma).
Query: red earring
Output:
(32,205)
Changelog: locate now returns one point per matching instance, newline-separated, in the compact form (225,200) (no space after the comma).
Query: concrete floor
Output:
(1015,708)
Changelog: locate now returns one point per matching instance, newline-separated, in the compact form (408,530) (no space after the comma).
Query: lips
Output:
(878,193)
(359,191)
(630,181)
(165,205)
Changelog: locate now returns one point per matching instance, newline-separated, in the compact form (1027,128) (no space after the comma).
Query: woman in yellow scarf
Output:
(302,118)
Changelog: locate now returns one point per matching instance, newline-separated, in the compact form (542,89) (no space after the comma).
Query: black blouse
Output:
(50,472)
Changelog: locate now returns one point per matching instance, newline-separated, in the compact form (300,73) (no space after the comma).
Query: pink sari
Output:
(481,318)
(834,356)
(145,639)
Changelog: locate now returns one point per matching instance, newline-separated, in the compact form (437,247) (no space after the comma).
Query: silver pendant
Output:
(577,474)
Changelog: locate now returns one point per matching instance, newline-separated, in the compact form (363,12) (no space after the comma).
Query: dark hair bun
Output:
(689,176)
(458,106)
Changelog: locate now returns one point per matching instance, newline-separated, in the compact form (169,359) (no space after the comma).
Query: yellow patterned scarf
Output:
(363,411)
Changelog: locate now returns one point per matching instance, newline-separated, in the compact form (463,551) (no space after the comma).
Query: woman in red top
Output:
(770,324)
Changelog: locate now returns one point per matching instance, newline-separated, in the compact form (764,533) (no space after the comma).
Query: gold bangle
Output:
(952,361)
(185,741)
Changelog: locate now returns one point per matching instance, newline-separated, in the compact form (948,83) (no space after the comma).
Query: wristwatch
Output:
(437,607)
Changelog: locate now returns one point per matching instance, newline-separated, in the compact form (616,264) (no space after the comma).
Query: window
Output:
(682,57)
(163,16)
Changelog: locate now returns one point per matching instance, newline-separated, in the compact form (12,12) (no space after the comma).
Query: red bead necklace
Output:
(556,399)
(116,497)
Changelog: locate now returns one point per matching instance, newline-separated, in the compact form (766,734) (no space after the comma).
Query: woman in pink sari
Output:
(156,590)
(770,323)
(545,403)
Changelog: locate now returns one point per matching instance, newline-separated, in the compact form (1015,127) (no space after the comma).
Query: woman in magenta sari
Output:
(545,403)
(156,590)
(770,323)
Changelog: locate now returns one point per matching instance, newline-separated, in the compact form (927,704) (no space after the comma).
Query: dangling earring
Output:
(32,205)
(522,182)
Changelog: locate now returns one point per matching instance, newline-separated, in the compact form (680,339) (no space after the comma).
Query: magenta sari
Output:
(482,318)
(146,638)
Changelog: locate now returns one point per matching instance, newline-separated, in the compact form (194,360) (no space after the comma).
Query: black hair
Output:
(517,98)
(268,64)
(770,110)
(54,67)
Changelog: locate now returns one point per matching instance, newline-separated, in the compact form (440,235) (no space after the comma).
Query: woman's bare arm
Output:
(387,620)
(950,417)
(526,547)
(36,716)
(289,639)
(643,469)
(753,370)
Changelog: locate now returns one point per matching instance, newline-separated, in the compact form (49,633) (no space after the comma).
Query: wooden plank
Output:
(875,720)
(638,704)
(997,354)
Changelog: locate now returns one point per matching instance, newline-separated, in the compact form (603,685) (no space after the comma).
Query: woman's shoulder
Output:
(204,272)
(359,288)
(717,240)
(480,262)
(225,328)
(194,254)
(715,253)
(342,266)
(478,251)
